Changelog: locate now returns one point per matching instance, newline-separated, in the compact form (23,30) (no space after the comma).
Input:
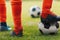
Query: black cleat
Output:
(20,34)
(4,27)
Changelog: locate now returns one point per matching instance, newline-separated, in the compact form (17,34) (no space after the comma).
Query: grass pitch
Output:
(30,31)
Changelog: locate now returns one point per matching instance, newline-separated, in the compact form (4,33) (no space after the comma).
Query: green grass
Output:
(30,31)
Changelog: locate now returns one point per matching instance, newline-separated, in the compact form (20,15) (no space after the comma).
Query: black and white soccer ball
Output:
(52,29)
(35,11)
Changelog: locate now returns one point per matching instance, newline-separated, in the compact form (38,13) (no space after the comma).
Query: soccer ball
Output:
(35,11)
(52,29)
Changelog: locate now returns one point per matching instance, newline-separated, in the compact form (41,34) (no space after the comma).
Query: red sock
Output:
(47,4)
(2,11)
(16,11)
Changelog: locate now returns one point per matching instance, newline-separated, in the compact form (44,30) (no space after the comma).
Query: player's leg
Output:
(47,4)
(47,15)
(46,12)
(3,25)
(16,11)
